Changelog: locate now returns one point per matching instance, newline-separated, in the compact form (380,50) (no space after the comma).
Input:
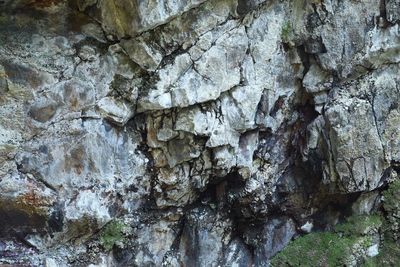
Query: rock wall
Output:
(197,132)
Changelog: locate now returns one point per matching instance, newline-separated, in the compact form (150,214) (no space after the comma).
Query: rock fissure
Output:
(198,133)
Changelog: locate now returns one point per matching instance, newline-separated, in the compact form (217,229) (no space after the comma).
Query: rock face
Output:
(195,132)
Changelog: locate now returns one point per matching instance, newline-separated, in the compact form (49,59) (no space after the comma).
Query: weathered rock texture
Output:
(194,132)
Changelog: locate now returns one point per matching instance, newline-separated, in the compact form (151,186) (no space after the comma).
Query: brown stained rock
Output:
(26,212)
(43,114)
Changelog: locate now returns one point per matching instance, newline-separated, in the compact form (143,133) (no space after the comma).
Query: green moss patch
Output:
(330,248)
(316,249)
(286,32)
(391,196)
(391,205)
(389,255)
(360,225)
(349,241)
(112,234)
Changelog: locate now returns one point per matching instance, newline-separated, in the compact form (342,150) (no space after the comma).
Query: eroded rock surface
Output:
(193,132)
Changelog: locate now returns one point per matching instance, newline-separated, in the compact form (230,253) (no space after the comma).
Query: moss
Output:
(3,19)
(316,249)
(349,239)
(286,32)
(392,197)
(360,225)
(389,255)
(391,205)
(112,234)
(330,248)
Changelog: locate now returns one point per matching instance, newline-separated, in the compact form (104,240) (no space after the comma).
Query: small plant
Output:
(112,234)
(286,32)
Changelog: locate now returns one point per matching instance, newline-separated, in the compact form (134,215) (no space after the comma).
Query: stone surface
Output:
(270,239)
(118,112)
(195,132)
(129,18)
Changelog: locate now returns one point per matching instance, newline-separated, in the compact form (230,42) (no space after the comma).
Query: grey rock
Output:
(147,56)
(187,82)
(237,254)
(203,238)
(358,166)
(366,203)
(43,112)
(118,112)
(154,241)
(270,239)
(392,10)
(316,80)
(127,18)
(211,130)
(351,164)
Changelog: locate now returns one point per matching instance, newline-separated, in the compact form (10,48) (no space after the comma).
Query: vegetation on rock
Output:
(361,225)
(391,205)
(112,234)
(286,32)
(345,245)
(339,248)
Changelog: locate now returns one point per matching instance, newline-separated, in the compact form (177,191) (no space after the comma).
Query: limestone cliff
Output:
(199,132)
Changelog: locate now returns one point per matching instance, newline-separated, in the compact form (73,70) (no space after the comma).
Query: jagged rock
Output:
(181,150)
(366,204)
(314,79)
(270,239)
(198,133)
(357,166)
(392,12)
(154,241)
(128,18)
(145,55)
(25,205)
(355,117)
(118,112)
(384,46)
(3,81)
(237,254)
(203,238)
(187,81)
(342,50)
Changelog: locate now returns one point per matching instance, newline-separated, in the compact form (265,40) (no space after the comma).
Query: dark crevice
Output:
(382,20)
(56,219)
(170,59)
(371,101)
(395,165)
(246,6)
(138,124)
